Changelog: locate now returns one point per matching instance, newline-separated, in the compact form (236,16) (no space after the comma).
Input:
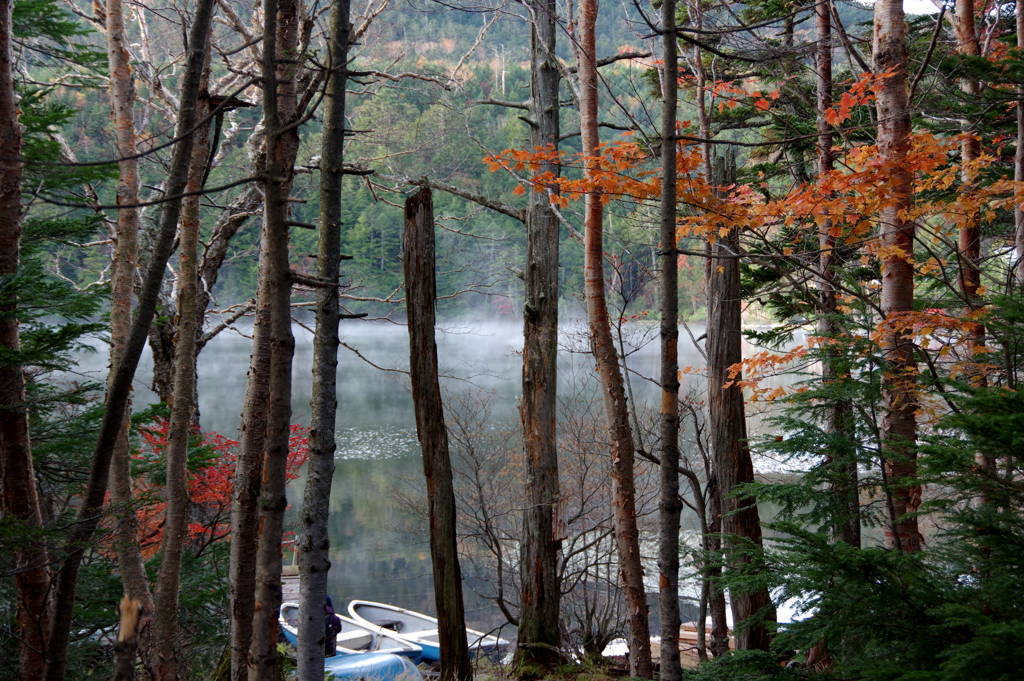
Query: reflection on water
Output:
(379,550)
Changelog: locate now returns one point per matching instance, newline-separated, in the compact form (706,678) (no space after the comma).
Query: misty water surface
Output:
(378,551)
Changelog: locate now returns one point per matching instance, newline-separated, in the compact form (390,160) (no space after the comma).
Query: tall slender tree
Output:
(279,65)
(538,636)
(670,503)
(846,524)
(899,425)
(122,288)
(170,664)
(17,474)
(620,435)
(314,560)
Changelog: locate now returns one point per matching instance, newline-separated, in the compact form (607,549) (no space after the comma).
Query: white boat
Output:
(418,628)
(354,638)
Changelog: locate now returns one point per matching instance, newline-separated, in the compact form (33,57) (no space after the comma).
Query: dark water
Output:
(379,550)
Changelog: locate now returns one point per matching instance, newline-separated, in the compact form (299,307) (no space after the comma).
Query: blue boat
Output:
(372,667)
(354,638)
(418,629)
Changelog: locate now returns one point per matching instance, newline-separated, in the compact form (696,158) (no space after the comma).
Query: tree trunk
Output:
(670,505)
(418,263)
(716,595)
(846,523)
(616,414)
(120,387)
(314,559)
(539,636)
(280,46)
(729,448)
(122,286)
(130,611)
(17,475)
(899,427)
(165,618)
(248,473)
(969,236)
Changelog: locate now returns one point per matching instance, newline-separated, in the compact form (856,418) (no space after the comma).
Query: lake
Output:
(378,550)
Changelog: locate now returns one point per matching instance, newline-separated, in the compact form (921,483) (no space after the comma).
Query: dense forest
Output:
(822,202)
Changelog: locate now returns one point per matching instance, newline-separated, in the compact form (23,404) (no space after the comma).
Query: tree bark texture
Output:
(17,474)
(421,293)
(122,287)
(844,486)
(248,473)
(670,505)
(899,426)
(120,387)
(712,574)
(969,235)
(733,465)
(170,664)
(280,58)
(627,536)
(314,542)
(540,590)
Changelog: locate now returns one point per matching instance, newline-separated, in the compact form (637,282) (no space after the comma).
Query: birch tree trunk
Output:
(627,537)
(846,524)
(670,503)
(122,286)
(418,264)
(120,387)
(280,60)
(899,427)
(314,559)
(17,474)
(540,592)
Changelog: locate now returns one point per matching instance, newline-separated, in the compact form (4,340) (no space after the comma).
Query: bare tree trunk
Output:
(846,524)
(280,46)
(248,473)
(418,263)
(17,474)
(314,559)
(729,448)
(627,535)
(165,618)
(670,505)
(539,636)
(122,286)
(899,427)
(120,387)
